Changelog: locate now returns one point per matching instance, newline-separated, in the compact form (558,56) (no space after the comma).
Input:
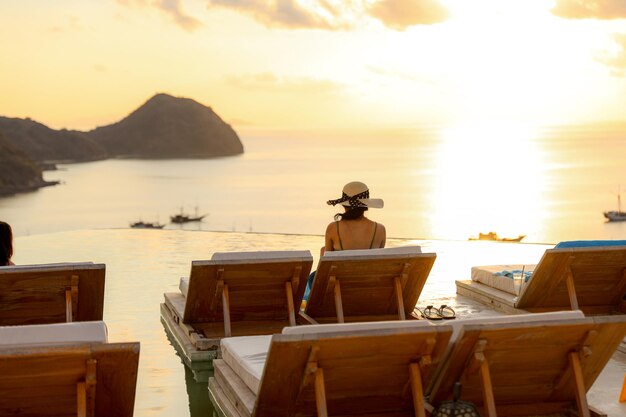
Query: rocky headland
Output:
(164,127)
(17,171)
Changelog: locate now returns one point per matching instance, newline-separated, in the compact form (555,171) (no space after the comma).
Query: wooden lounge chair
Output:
(368,285)
(360,369)
(592,279)
(51,293)
(233,294)
(526,366)
(72,377)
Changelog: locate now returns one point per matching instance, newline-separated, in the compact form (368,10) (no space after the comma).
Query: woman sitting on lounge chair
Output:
(351,229)
(6,244)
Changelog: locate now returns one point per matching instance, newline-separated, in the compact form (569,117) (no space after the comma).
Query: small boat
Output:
(493,236)
(616,216)
(184,218)
(146,225)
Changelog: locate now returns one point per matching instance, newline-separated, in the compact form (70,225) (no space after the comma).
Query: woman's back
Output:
(360,233)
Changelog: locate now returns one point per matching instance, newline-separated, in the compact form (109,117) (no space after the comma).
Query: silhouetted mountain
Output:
(41,143)
(164,127)
(17,171)
(169,127)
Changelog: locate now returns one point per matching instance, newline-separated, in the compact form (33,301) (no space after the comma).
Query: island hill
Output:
(165,127)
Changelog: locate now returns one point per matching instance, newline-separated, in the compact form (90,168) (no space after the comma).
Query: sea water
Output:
(549,184)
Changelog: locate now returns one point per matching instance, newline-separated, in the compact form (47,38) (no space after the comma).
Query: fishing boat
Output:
(146,225)
(493,236)
(616,216)
(185,218)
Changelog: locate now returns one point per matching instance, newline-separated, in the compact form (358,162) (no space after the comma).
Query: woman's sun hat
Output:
(356,194)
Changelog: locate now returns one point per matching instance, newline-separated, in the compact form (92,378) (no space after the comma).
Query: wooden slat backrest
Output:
(598,275)
(365,372)
(368,284)
(36,294)
(529,363)
(41,381)
(256,288)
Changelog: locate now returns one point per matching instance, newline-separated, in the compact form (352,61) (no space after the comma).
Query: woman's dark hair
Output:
(6,243)
(351,213)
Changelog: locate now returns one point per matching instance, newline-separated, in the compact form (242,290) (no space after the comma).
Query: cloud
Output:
(415,78)
(283,13)
(100,68)
(338,14)
(584,9)
(269,82)
(72,23)
(172,8)
(617,62)
(400,14)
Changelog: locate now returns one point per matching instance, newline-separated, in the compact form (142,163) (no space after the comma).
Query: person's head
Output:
(6,243)
(355,200)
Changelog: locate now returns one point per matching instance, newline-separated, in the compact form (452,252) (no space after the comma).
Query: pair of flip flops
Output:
(442,313)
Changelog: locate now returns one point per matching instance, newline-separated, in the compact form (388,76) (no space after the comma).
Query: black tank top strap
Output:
(339,236)
(374,236)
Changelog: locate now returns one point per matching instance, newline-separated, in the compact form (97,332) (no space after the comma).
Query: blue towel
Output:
(309,284)
(511,274)
(589,243)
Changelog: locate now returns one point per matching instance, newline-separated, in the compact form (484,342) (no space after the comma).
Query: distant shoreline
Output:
(9,191)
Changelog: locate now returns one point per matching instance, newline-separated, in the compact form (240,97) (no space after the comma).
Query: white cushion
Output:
(401,250)
(246,356)
(183,285)
(53,334)
(261,255)
(486,275)
(348,327)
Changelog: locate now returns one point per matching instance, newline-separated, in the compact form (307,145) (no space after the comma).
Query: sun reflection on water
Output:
(488,177)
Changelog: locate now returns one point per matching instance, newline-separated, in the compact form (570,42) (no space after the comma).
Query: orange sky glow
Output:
(301,64)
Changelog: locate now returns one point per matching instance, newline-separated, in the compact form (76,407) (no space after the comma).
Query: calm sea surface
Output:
(549,184)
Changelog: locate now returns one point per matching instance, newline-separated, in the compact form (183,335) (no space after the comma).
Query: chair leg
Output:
(320,393)
(86,392)
(488,399)
(581,397)
(291,311)
(226,310)
(338,302)
(571,289)
(71,298)
(68,305)
(417,390)
(399,299)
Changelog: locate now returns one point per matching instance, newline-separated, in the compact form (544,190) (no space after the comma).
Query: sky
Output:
(306,64)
